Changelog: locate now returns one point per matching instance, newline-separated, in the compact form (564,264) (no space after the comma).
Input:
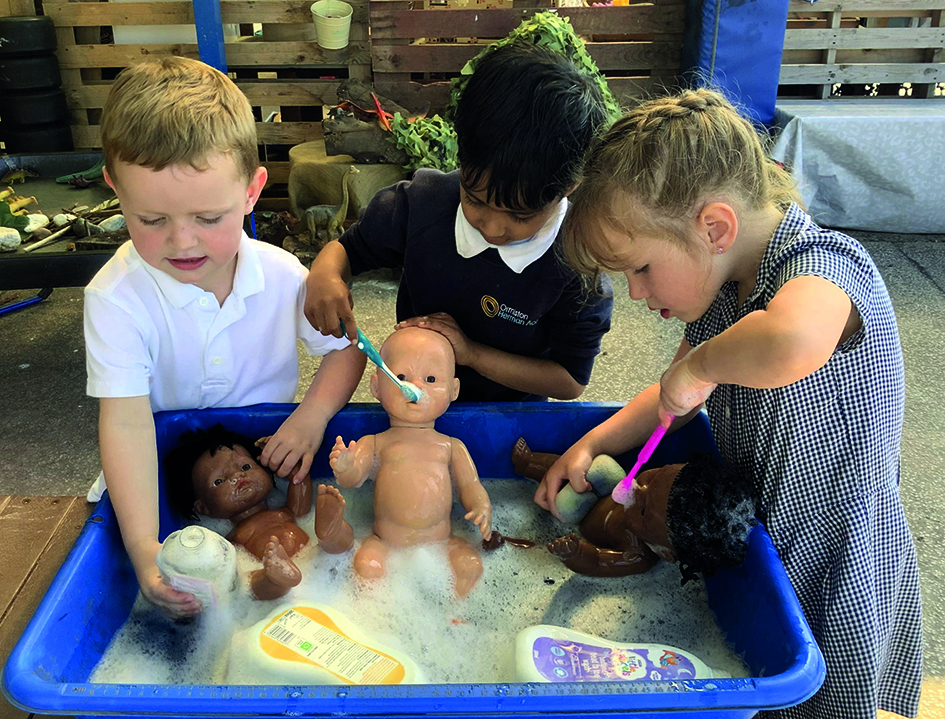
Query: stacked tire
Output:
(33,112)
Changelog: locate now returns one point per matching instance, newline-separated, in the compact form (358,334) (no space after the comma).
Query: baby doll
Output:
(226,482)
(698,513)
(415,467)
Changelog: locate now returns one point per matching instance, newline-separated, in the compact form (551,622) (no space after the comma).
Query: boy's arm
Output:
(354,463)
(300,436)
(129,458)
(793,337)
(543,377)
(472,495)
(327,295)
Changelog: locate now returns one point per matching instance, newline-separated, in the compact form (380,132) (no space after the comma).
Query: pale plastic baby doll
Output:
(415,467)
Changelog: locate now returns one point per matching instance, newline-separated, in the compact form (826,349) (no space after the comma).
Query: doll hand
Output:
(482,518)
(443,323)
(681,391)
(571,467)
(289,452)
(341,458)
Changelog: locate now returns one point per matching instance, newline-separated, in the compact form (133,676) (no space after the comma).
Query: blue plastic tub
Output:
(92,595)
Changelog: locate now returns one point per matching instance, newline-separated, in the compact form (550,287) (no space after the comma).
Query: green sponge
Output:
(603,475)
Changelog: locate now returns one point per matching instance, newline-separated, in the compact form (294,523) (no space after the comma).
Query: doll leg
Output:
(333,531)
(582,557)
(278,575)
(531,465)
(370,561)
(466,563)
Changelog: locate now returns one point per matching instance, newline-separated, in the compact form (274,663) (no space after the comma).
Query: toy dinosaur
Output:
(17,174)
(325,221)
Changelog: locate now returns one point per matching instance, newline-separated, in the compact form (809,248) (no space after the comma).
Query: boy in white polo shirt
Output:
(192,313)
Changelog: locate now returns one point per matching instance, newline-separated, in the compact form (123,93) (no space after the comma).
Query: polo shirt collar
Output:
(248,279)
(517,255)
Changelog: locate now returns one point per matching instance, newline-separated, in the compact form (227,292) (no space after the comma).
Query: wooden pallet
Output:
(415,51)
(865,42)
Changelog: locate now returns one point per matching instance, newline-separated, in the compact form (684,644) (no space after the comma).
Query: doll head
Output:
(213,472)
(698,514)
(425,359)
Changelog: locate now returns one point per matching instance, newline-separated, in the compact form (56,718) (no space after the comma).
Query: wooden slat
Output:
(452,57)
(387,22)
(273,133)
(304,93)
(865,7)
(865,38)
(854,57)
(181,12)
(238,54)
(819,74)
(65,524)
(13,8)
(278,173)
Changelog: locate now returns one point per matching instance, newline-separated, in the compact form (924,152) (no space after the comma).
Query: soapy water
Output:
(414,608)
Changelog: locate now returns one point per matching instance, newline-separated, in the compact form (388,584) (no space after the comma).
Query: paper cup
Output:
(332,23)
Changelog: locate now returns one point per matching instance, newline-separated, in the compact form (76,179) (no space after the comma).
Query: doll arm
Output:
(793,337)
(472,495)
(582,557)
(129,458)
(352,464)
(299,497)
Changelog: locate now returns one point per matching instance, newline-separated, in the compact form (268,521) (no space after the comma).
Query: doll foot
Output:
(329,513)
(278,567)
(521,456)
(564,548)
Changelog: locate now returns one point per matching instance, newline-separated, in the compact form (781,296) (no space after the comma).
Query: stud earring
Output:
(719,250)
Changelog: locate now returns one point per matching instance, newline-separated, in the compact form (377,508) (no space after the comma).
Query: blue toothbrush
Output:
(411,392)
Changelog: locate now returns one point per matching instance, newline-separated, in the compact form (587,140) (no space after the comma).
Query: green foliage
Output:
(548,30)
(428,141)
(8,219)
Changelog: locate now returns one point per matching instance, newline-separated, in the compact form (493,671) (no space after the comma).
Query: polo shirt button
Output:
(217,360)
(203,301)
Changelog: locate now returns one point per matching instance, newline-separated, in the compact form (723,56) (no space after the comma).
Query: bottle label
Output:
(203,589)
(569,661)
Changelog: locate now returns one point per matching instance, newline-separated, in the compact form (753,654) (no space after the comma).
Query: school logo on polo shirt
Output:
(493,308)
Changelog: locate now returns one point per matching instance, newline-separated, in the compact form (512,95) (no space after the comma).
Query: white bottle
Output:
(197,560)
(545,653)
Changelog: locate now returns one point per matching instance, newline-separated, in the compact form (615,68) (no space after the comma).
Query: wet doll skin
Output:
(230,484)
(415,467)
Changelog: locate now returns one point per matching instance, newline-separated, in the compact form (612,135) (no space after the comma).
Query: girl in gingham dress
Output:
(792,345)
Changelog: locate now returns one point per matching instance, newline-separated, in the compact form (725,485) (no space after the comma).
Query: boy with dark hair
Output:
(479,246)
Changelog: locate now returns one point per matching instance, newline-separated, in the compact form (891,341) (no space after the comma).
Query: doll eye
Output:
(246,467)
(217,482)
(431,379)
(402,377)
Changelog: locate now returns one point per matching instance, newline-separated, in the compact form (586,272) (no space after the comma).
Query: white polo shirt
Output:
(148,334)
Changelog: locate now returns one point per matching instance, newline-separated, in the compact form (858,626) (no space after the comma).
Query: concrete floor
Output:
(48,425)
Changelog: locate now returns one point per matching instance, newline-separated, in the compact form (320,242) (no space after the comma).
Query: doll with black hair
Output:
(698,514)
(214,473)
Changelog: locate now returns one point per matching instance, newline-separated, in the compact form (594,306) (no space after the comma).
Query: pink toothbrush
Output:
(621,493)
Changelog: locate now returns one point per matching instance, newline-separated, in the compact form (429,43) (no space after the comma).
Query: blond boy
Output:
(191,313)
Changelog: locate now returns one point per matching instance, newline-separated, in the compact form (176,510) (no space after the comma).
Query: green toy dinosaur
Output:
(325,222)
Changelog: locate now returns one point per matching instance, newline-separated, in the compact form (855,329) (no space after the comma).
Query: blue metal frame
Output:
(209,23)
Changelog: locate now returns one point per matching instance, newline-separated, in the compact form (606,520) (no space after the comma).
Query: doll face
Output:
(228,482)
(425,359)
(645,516)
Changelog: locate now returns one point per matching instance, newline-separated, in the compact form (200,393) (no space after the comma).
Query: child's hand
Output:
(289,452)
(572,467)
(172,602)
(341,458)
(331,303)
(681,390)
(482,518)
(446,326)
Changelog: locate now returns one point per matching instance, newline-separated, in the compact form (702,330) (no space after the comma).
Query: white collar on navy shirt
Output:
(517,255)
(248,280)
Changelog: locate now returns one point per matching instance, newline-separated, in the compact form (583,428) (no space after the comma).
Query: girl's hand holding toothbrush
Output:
(681,390)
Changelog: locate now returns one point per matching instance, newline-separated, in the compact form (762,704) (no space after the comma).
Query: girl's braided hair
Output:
(659,165)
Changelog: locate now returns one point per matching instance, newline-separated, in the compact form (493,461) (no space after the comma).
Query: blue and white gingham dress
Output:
(824,455)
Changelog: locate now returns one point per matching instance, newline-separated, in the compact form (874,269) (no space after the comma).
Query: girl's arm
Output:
(472,495)
(630,427)
(793,337)
(300,436)
(129,458)
(526,374)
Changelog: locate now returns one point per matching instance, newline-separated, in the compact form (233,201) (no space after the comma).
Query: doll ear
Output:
(455,389)
(373,386)
(201,508)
